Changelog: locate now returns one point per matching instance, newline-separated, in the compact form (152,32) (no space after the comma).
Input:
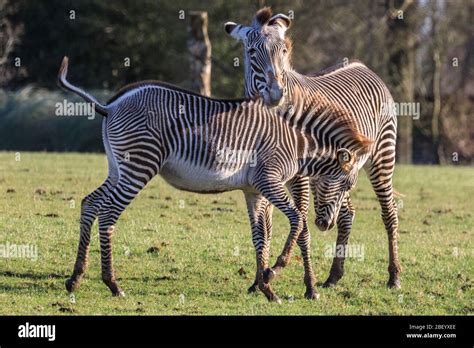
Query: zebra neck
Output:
(302,96)
(302,108)
(307,104)
(324,126)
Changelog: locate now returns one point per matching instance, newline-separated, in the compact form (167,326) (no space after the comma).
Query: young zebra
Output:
(154,128)
(352,90)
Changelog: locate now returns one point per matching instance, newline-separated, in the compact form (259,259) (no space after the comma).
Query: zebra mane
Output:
(289,47)
(158,83)
(359,142)
(363,144)
(338,119)
(334,68)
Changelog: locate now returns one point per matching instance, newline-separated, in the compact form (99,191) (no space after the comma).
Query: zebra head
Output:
(266,55)
(329,190)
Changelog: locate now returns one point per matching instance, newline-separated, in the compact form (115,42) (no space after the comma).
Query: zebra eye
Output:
(285,51)
(251,51)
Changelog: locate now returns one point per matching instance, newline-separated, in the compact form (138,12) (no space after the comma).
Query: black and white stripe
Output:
(155,128)
(350,91)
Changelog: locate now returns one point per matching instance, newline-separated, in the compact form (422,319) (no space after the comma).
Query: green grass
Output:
(202,248)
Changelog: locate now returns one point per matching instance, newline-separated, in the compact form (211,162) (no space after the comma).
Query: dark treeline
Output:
(423,50)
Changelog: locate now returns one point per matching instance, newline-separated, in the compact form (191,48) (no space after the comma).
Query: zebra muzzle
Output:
(323,224)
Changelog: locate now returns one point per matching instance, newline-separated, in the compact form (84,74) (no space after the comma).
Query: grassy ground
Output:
(205,259)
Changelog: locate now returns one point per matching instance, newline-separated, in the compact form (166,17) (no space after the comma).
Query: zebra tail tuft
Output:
(64,84)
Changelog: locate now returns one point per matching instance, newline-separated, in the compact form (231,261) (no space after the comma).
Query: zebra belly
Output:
(195,178)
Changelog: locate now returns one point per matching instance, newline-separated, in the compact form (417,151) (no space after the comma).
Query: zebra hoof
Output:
(252,288)
(394,284)
(329,284)
(268,275)
(118,293)
(71,284)
(274,298)
(311,295)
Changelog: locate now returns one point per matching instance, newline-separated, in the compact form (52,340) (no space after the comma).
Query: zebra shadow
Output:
(32,276)
(28,281)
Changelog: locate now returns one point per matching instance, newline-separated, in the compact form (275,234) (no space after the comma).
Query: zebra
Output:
(152,128)
(351,88)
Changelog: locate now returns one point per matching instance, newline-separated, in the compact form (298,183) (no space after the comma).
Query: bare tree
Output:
(9,37)
(199,47)
(401,45)
(436,90)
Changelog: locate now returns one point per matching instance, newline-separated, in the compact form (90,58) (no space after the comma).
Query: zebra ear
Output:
(283,21)
(233,30)
(346,159)
(262,17)
(229,27)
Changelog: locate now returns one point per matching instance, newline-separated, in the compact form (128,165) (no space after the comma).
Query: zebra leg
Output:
(390,220)
(267,226)
(257,207)
(299,188)
(304,242)
(254,287)
(344,225)
(132,179)
(380,175)
(275,193)
(90,206)
(110,211)
(89,209)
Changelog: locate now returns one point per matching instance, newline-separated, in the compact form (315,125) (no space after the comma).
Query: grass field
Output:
(204,259)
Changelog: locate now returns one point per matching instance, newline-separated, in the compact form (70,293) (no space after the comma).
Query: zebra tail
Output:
(63,83)
(398,194)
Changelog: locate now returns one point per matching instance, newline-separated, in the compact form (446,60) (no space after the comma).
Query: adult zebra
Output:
(352,90)
(152,128)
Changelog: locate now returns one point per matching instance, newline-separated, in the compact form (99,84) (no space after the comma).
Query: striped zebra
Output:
(351,90)
(154,128)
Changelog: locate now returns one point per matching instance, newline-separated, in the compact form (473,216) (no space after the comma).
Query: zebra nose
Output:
(321,224)
(276,93)
(324,224)
(273,100)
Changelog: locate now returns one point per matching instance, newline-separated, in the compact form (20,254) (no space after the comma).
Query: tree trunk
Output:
(199,47)
(9,38)
(435,117)
(401,69)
